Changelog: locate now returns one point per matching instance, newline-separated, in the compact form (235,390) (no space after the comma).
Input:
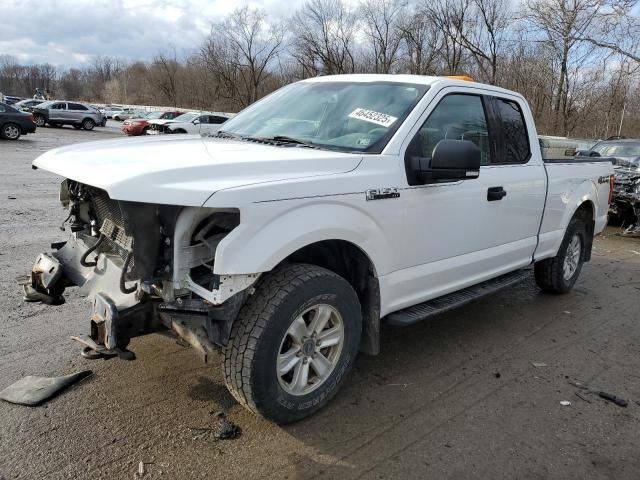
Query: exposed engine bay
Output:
(144,267)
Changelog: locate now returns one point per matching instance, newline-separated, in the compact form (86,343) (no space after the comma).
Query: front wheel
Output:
(88,124)
(293,343)
(10,131)
(560,273)
(40,120)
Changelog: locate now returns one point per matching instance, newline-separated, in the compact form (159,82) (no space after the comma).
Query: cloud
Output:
(72,32)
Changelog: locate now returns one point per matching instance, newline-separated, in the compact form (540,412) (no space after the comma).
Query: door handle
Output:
(496,193)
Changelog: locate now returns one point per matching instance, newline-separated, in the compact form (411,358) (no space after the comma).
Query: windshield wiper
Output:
(284,139)
(223,134)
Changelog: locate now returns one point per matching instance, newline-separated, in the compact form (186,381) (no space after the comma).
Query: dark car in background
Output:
(625,202)
(14,123)
(59,112)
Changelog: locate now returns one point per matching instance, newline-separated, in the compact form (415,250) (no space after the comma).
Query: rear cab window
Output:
(512,138)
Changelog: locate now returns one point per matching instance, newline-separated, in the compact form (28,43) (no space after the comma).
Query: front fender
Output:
(269,233)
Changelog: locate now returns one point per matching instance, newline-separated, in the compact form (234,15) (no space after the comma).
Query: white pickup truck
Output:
(319,212)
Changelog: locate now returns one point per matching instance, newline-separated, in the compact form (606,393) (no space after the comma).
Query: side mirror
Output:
(451,160)
(196,121)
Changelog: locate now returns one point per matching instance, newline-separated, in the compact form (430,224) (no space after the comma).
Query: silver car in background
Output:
(59,112)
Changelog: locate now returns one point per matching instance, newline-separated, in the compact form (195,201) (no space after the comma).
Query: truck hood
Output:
(186,169)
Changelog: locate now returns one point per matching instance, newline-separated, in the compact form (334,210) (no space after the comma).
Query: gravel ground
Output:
(456,397)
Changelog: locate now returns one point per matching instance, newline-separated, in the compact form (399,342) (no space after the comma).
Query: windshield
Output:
(621,149)
(46,104)
(345,116)
(186,117)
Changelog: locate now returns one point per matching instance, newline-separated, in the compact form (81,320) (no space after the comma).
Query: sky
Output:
(71,32)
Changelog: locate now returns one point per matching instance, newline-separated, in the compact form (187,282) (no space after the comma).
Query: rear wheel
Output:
(560,273)
(88,124)
(293,343)
(10,131)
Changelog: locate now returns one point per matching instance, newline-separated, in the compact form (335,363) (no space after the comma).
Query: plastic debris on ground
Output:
(223,428)
(32,390)
(539,364)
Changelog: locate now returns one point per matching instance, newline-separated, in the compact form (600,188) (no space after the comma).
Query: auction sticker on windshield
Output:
(373,117)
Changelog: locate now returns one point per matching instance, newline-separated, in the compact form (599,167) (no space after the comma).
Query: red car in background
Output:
(139,126)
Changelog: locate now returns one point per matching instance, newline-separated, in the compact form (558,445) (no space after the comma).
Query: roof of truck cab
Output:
(403,78)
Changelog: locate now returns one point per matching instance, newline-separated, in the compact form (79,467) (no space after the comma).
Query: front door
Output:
(467,231)
(57,112)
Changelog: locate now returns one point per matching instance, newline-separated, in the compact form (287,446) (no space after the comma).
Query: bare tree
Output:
(243,47)
(484,33)
(382,29)
(324,32)
(164,75)
(421,41)
(562,23)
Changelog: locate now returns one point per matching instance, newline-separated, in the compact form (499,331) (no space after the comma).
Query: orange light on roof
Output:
(464,78)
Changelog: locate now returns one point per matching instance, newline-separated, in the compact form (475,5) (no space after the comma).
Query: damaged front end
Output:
(625,202)
(144,267)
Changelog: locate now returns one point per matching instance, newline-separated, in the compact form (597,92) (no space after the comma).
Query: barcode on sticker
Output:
(373,117)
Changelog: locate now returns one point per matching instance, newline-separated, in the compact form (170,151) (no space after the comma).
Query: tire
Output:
(10,131)
(262,332)
(40,120)
(559,274)
(180,130)
(88,124)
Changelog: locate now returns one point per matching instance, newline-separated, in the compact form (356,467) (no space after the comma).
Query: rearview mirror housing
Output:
(451,160)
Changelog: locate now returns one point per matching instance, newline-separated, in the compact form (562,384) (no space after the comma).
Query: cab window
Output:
(513,140)
(456,117)
(76,106)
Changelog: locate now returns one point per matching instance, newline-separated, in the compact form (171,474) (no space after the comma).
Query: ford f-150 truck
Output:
(317,213)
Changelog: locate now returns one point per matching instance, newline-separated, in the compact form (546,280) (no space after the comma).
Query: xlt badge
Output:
(382,193)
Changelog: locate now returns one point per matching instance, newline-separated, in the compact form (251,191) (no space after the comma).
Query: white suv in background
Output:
(205,124)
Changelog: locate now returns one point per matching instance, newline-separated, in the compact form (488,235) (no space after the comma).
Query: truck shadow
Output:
(430,373)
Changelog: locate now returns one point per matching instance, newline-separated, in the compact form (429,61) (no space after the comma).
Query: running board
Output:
(422,311)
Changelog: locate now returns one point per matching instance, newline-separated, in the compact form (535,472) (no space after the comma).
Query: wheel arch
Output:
(586,212)
(354,265)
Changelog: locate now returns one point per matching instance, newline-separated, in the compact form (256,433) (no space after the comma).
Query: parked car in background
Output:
(205,124)
(111,110)
(57,113)
(128,113)
(10,99)
(27,104)
(625,155)
(160,125)
(139,126)
(14,123)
